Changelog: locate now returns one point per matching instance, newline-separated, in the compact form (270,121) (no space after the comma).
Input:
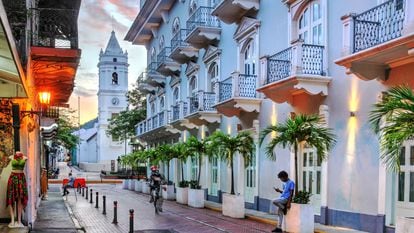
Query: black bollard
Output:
(87,195)
(91,199)
(131,221)
(97,200)
(115,221)
(104,205)
(83,191)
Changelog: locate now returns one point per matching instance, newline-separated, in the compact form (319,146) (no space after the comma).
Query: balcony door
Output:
(310,24)
(249,59)
(310,176)
(213,77)
(404,189)
(214,179)
(250,180)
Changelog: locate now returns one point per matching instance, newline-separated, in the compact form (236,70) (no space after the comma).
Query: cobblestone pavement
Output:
(176,217)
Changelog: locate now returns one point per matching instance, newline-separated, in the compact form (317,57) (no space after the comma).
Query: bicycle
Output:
(157,199)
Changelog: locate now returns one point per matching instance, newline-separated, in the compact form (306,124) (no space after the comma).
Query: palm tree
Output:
(166,153)
(225,147)
(182,154)
(397,111)
(196,149)
(299,129)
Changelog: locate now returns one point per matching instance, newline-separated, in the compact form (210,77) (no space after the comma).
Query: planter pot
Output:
(169,194)
(196,198)
(298,219)
(182,196)
(138,186)
(145,187)
(125,184)
(131,185)
(233,205)
(404,225)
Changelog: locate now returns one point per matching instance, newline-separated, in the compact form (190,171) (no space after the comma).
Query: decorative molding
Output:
(246,27)
(174,81)
(211,54)
(165,16)
(191,68)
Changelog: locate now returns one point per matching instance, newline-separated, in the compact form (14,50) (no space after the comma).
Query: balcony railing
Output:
(58,28)
(17,16)
(154,122)
(239,85)
(152,67)
(202,101)
(163,56)
(378,25)
(298,59)
(178,39)
(202,18)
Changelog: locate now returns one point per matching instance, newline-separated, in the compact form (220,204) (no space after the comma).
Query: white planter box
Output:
(169,194)
(131,185)
(145,187)
(300,219)
(196,198)
(233,205)
(404,225)
(138,185)
(182,196)
(125,184)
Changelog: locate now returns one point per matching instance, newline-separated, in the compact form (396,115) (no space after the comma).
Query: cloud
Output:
(84,92)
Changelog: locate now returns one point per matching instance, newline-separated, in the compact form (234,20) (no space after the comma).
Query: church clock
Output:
(115,101)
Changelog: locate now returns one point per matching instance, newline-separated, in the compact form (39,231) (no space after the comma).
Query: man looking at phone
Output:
(283,202)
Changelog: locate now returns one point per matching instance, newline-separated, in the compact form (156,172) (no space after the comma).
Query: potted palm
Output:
(393,120)
(125,181)
(196,149)
(294,132)
(130,162)
(165,154)
(138,159)
(225,147)
(148,155)
(182,189)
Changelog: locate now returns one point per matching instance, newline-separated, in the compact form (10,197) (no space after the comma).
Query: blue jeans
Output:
(281,204)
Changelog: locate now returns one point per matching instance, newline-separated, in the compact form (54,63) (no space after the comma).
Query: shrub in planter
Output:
(169,192)
(125,184)
(138,185)
(297,218)
(182,192)
(195,195)
(145,187)
(131,184)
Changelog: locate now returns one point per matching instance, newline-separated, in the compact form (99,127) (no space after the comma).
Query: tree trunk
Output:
(199,169)
(168,172)
(182,170)
(296,168)
(232,175)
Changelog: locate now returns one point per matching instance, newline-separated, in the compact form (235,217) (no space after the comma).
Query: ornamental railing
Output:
(238,85)
(152,67)
(379,24)
(57,28)
(154,122)
(202,101)
(17,16)
(202,18)
(178,111)
(298,59)
(163,56)
(178,39)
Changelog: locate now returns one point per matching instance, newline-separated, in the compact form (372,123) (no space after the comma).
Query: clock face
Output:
(115,101)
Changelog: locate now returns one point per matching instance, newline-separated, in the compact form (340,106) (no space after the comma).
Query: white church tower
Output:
(113,86)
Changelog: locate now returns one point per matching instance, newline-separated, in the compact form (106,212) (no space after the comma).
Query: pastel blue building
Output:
(242,65)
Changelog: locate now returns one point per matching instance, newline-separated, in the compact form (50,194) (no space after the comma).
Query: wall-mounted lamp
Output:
(352,114)
(44,99)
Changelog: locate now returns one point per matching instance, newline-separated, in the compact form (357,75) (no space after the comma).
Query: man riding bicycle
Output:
(156,180)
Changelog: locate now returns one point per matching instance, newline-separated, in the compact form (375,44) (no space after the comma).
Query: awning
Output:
(49,132)
(11,71)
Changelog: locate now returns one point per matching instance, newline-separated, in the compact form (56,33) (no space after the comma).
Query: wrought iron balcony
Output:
(203,29)
(237,94)
(231,11)
(378,25)
(295,70)
(153,77)
(58,28)
(153,123)
(143,84)
(298,59)
(166,65)
(202,102)
(178,111)
(181,51)
(17,16)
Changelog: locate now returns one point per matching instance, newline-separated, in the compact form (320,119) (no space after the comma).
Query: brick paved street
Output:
(178,217)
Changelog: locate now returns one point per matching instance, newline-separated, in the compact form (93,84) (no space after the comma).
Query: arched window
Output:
(114,78)
(249,59)
(153,55)
(152,108)
(114,59)
(192,7)
(162,103)
(310,24)
(192,86)
(162,43)
(176,95)
(176,26)
(213,76)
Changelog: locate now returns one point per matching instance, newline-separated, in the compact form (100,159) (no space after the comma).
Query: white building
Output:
(243,65)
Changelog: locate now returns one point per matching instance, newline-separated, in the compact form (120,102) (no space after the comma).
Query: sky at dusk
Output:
(96,20)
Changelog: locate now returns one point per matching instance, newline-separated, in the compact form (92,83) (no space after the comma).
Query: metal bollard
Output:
(91,199)
(131,221)
(83,191)
(115,220)
(104,205)
(97,200)
(87,195)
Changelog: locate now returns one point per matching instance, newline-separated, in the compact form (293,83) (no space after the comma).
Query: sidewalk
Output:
(53,215)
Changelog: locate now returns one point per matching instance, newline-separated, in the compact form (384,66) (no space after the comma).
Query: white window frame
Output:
(311,23)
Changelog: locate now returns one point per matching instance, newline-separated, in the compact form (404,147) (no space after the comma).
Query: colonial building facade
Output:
(244,65)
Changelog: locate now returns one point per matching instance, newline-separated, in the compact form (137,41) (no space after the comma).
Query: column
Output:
(324,113)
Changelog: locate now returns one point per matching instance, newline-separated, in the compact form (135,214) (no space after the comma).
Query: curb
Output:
(78,227)
(90,182)
(255,218)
